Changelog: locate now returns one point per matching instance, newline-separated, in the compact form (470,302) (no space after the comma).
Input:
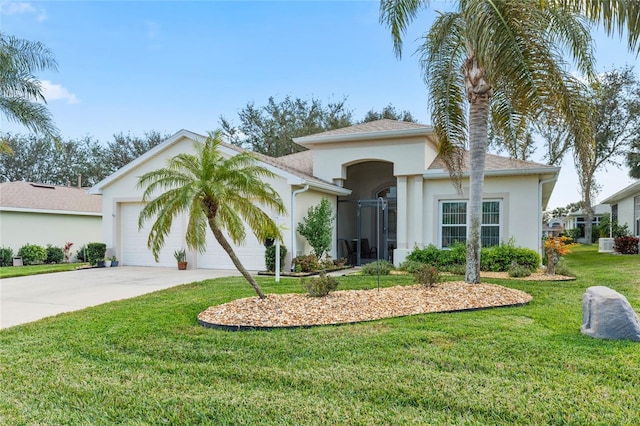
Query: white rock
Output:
(606,314)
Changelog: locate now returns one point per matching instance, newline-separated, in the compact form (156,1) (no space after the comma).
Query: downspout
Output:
(542,182)
(293,219)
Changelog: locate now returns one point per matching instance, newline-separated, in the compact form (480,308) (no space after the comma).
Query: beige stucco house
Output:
(389,190)
(625,207)
(48,214)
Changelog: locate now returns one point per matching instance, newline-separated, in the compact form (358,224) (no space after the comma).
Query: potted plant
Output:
(107,262)
(114,261)
(181,258)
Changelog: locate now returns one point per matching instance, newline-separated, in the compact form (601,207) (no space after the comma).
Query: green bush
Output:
(80,253)
(319,286)
(410,266)
(455,269)
(317,227)
(54,254)
(430,254)
(518,271)
(6,256)
(270,257)
(382,267)
(500,258)
(427,276)
(563,269)
(308,263)
(32,254)
(95,252)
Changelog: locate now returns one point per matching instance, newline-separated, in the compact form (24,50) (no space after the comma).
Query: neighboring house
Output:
(578,218)
(48,214)
(553,228)
(625,207)
(389,190)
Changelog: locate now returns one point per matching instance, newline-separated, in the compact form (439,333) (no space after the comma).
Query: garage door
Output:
(134,242)
(251,254)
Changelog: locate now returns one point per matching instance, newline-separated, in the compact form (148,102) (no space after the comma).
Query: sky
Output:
(137,66)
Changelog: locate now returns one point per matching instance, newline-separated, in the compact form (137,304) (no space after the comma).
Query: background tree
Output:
(46,159)
(633,160)
(498,59)
(21,98)
(222,193)
(615,96)
(389,112)
(270,129)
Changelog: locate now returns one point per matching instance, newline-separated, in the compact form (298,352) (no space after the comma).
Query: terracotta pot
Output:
(182,266)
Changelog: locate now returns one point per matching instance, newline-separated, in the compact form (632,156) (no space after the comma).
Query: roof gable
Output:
(379,129)
(36,196)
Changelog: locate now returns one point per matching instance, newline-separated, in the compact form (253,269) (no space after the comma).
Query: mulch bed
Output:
(351,306)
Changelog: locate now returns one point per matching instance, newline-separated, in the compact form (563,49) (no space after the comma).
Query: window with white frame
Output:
(453,223)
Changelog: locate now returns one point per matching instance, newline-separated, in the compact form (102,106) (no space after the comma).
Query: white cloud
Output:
(19,7)
(55,92)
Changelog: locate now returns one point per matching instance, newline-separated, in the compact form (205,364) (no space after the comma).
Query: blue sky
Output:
(161,65)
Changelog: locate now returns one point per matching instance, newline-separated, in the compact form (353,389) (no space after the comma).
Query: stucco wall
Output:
(519,210)
(626,211)
(19,228)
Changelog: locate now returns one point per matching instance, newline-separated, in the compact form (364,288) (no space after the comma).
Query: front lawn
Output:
(23,271)
(147,361)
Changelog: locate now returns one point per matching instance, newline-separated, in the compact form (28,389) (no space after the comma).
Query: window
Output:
(453,223)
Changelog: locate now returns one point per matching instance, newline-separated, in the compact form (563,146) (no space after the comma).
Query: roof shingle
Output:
(26,195)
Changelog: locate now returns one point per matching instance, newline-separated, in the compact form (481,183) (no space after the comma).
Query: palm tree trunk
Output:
(478,93)
(222,240)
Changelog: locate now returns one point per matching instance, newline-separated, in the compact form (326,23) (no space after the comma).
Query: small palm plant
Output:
(214,191)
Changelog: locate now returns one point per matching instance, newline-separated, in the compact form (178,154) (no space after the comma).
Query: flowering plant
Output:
(67,251)
(554,248)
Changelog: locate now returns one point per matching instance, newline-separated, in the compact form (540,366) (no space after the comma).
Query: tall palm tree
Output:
(223,193)
(504,59)
(21,98)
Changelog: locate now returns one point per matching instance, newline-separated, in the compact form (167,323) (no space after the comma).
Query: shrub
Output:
(626,245)
(554,248)
(429,254)
(54,254)
(410,266)
(382,267)
(317,227)
(6,256)
(518,271)
(500,258)
(427,276)
(95,252)
(319,286)
(270,257)
(32,254)
(455,269)
(308,263)
(80,254)
(563,269)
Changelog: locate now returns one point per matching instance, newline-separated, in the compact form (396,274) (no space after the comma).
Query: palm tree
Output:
(21,98)
(503,59)
(223,193)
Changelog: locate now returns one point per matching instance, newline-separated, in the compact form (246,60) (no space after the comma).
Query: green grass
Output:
(147,361)
(23,271)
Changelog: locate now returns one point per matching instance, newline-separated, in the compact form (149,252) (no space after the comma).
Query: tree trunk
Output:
(227,247)
(588,220)
(478,93)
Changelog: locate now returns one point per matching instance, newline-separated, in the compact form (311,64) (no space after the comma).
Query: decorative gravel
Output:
(350,306)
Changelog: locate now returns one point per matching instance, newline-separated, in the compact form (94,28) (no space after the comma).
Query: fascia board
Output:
(49,211)
(352,137)
(624,193)
(442,173)
(331,189)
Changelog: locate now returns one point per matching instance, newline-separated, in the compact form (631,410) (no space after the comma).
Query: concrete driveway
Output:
(26,299)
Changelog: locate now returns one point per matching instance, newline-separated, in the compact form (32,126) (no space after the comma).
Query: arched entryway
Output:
(366,219)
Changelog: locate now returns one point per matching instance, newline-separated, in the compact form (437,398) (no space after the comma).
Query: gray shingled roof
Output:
(301,161)
(26,195)
(384,125)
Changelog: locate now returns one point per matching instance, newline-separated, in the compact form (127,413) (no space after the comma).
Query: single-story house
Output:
(625,207)
(553,228)
(578,218)
(45,214)
(389,189)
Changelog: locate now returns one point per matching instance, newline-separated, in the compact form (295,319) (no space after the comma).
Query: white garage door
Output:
(251,254)
(134,242)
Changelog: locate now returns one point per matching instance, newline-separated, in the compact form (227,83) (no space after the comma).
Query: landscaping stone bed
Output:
(351,306)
